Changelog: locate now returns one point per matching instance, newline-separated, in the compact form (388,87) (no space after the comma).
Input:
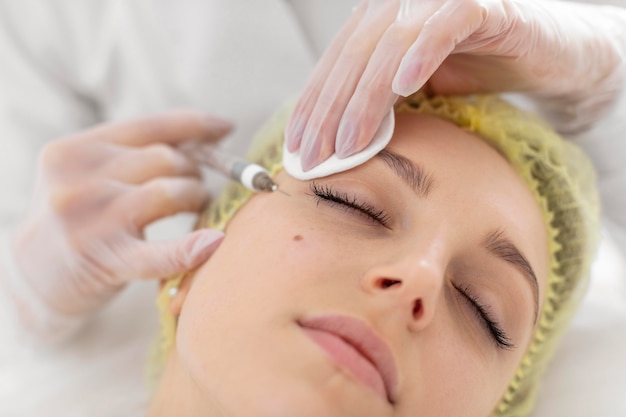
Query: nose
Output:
(409,285)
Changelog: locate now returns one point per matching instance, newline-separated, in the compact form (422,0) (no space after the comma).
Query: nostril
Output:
(387,282)
(417,309)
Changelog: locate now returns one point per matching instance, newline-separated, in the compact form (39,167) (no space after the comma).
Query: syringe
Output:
(252,176)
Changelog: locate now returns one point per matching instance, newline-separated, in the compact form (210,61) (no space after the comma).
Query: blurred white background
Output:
(65,65)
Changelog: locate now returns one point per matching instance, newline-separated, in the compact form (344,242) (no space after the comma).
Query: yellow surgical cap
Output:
(557,173)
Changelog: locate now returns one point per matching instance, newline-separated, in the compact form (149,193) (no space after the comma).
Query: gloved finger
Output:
(373,96)
(70,158)
(160,198)
(434,45)
(171,128)
(138,165)
(161,259)
(301,113)
(318,139)
(76,200)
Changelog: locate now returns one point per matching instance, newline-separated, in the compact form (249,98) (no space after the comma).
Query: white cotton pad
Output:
(291,160)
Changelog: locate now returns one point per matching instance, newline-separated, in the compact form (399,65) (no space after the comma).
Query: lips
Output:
(355,346)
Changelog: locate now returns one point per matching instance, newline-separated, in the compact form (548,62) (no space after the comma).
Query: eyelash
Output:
(327,194)
(349,203)
(502,340)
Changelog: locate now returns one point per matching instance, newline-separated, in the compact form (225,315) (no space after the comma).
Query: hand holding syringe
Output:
(83,239)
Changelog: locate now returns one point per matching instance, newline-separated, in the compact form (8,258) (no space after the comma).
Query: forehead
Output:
(460,159)
(443,141)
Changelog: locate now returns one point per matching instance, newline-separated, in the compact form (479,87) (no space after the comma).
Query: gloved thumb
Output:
(162,259)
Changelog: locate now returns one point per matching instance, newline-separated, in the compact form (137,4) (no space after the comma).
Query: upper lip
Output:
(364,339)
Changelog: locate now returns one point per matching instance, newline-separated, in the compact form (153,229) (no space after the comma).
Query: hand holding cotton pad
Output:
(334,164)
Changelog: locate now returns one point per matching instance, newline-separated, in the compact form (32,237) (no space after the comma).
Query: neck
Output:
(179,395)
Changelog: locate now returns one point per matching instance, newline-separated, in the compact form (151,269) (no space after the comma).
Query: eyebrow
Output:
(414,175)
(500,246)
(422,182)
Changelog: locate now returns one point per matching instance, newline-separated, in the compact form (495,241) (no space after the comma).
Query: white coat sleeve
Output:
(605,143)
(67,65)
(38,103)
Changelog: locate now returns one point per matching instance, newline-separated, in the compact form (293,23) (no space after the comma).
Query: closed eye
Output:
(325,193)
(483,314)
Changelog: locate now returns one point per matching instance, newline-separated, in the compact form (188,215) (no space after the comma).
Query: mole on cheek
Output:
(297,238)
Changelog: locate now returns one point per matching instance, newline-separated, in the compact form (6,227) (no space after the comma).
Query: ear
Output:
(177,302)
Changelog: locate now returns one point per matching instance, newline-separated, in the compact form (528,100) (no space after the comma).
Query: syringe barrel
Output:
(252,176)
(221,161)
(237,169)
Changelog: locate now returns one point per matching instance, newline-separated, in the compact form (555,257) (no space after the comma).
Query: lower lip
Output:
(349,358)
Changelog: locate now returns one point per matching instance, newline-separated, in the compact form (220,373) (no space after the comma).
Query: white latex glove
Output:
(82,239)
(389,48)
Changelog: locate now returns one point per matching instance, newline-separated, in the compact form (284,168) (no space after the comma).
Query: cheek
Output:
(447,376)
(456,385)
(247,297)
(288,242)
(260,263)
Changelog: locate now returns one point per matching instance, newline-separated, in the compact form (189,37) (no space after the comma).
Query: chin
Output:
(336,397)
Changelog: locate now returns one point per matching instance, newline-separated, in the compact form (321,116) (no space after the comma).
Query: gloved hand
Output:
(390,48)
(82,239)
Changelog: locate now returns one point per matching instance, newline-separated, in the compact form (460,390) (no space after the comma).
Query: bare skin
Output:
(398,260)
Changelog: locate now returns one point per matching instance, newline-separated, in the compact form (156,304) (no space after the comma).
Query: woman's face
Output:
(408,286)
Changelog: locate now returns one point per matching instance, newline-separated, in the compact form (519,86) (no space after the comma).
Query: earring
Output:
(172,292)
